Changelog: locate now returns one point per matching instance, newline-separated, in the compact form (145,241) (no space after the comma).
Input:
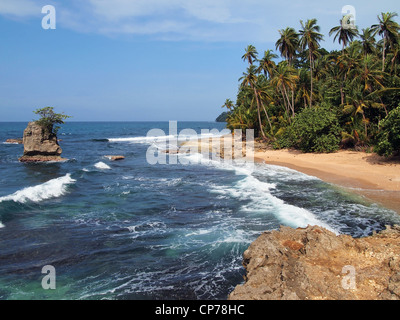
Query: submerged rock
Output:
(171,151)
(115,158)
(40,145)
(14,141)
(315,264)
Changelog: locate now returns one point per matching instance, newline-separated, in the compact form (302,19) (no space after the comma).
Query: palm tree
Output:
(285,79)
(228,104)
(367,41)
(241,118)
(365,83)
(389,30)
(358,104)
(309,39)
(344,34)
(395,58)
(349,81)
(288,43)
(346,63)
(263,95)
(367,74)
(250,55)
(303,92)
(249,79)
(267,65)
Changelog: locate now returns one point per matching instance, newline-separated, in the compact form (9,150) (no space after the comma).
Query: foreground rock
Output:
(40,145)
(314,263)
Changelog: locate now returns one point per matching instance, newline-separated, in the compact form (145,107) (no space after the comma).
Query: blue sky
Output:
(143,60)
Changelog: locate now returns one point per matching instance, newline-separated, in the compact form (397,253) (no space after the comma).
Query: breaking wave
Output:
(102,166)
(259,195)
(165,138)
(51,189)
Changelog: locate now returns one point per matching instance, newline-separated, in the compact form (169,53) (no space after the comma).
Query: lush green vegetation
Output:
(388,141)
(222,117)
(318,101)
(312,130)
(48,119)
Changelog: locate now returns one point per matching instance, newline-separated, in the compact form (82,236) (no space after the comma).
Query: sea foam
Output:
(165,138)
(261,199)
(146,139)
(51,189)
(1,225)
(102,166)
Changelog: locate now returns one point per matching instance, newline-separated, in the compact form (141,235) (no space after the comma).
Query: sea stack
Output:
(40,145)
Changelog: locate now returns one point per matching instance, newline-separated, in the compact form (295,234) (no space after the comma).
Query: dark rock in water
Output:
(171,151)
(40,145)
(14,141)
(115,158)
(315,264)
(39,158)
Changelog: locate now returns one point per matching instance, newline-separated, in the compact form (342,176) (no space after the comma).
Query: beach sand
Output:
(367,174)
(373,177)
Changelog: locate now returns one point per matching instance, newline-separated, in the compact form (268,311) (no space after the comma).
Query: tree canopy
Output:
(48,119)
(358,85)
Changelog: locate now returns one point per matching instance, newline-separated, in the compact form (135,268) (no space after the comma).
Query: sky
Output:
(145,60)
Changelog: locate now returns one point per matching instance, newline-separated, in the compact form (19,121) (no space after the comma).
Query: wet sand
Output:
(374,177)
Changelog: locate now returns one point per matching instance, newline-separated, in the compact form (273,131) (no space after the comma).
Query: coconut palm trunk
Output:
(311,79)
(259,113)
(309,39)
(383,54)
(266,114)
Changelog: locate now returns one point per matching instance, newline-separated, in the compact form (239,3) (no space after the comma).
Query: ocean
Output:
(130,229)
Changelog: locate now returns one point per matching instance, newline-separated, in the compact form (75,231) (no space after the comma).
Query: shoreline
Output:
(373,177)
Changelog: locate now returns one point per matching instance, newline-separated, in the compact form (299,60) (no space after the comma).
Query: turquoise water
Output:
(132,230)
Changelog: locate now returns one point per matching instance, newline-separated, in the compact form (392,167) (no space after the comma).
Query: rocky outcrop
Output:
(313,264)
(40,145)
(14,141)
(115,158)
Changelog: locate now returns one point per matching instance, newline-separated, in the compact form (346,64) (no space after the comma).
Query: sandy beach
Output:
(367,174)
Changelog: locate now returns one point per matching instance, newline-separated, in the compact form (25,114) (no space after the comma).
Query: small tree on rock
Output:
(49,119)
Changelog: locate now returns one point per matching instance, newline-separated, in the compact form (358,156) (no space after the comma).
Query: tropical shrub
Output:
(313,130)
(388,140)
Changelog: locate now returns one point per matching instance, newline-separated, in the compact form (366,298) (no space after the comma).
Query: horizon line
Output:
(117,121)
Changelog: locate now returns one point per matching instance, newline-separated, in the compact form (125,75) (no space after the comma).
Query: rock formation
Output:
(40,145)
(115,158)
(14,141)
(313,263)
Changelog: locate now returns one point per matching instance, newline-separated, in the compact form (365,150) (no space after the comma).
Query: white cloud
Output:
(209,10)
(122,9)
(199,20)
(19,8)
(218,11)
(147,28)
